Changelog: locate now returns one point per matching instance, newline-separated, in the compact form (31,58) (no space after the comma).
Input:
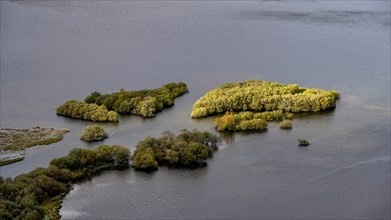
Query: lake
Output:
(53,51)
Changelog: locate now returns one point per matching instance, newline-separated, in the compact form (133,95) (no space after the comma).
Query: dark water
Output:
(52,51)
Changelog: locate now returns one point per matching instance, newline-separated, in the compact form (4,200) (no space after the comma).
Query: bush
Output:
(303,143)
(244,121)
(253,124)
(286,124)
(93,133)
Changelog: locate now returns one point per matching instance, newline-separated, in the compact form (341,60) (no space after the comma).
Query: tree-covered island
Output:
(93,133)
(249,105)
(105,107)
(188,149)
(38,194)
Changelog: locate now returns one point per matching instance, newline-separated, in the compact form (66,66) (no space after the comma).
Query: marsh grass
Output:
(13,140)
(20,139)
(6,162)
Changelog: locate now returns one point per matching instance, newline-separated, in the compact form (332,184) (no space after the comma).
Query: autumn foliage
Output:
(85,111)
(188,149)
(260,96)
(145,103)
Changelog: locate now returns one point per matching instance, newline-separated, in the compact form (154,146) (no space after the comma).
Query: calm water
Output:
(53,51)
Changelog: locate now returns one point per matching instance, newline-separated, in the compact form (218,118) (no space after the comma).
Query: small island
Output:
(188,149)
(93,133)
(249,105)
(145,103)
(13,142)
(303,143)
(105,107)
(39,193)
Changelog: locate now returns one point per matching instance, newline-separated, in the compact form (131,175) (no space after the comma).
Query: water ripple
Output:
(373,161)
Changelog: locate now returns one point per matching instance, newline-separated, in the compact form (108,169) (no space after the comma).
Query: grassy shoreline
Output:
(14,140)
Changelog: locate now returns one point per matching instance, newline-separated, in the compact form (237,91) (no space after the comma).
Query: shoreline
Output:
(14,141)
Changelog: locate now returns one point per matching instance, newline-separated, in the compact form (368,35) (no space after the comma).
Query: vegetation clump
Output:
(303,143)
(86,111)
(4,162)
(145,103)
(286,124)
(38,194)
(260,96)
(188,149)
(246,120)
(93,133)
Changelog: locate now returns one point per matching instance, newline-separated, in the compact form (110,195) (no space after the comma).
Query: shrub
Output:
(245,120)
(253,124)
(93,133)
(303,143)
(286,124)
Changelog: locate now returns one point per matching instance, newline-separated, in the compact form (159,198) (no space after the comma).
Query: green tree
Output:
(144,160)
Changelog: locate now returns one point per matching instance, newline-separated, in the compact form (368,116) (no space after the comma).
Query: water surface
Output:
(53,51)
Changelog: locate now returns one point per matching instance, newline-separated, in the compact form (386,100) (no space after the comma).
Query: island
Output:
(145,103)
(93,133)
(188,149)
(13,142)
(105,107)
(39,193)
(250,104)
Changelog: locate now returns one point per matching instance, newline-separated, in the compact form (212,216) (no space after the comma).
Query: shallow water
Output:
(52,51)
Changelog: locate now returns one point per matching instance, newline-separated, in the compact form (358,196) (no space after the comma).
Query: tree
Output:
(121,156)
(144,160)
